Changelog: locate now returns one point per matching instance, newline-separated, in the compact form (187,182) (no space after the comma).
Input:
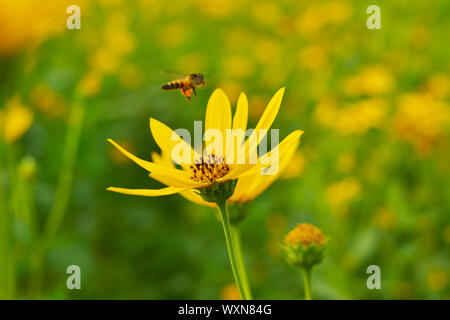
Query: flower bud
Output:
(304,246)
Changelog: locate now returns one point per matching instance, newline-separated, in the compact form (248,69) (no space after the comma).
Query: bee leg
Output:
(186,93)
(195,92)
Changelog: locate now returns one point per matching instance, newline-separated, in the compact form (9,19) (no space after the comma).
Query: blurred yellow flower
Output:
(267,52)
(313,57)
(318,16)
(110,3)
(266,13)
(217,8)
(103,61)
(346,162)
(310,21)
(26,23)
(337,11)
(173,35)
(237,67)
(230,292)
(48,101)
(90,84)
(438,86)
(373,80)
(15,119)
(421,120)
(114,44)
(295,167)
(353,118)
(119,42)
(437,280)
(341,193)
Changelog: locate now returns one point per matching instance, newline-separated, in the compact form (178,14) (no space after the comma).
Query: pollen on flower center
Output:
(210,169)
(305,234)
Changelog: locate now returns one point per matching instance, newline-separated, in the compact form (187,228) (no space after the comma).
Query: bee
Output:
(186,85)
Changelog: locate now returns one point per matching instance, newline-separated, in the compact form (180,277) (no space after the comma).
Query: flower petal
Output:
(218,117)
(162,159)
(239,126)
(194,197)
(164,174)
(147,192)
(268,116)
(248,188)
(283,147)
(241,115)
(167,140)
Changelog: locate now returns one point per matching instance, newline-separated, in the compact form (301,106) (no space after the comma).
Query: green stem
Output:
(307,283)
(66,176)
(5,227)
(235,234)
(62,196)
(222,207)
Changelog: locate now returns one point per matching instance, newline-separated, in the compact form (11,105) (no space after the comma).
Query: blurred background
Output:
(372,171)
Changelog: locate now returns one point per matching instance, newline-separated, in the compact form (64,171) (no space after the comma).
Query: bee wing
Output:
(172,75)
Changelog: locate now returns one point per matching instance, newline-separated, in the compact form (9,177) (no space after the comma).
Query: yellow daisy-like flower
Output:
(219,166)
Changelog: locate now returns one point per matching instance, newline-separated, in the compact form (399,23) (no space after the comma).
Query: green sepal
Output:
(304,256)
(218,192)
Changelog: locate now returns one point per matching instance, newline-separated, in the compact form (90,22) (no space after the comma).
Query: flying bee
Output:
(186,85)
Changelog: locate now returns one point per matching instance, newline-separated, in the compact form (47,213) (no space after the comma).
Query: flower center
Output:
(306,235)
(210,169)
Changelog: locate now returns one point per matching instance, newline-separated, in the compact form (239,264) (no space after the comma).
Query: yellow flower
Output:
(341,193)
(372,80)
(219,167)
(91,83)
(353,118)
(421,120)
(27,23)
(15,120)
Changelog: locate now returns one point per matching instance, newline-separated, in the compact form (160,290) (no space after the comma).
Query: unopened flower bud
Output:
(304,246)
